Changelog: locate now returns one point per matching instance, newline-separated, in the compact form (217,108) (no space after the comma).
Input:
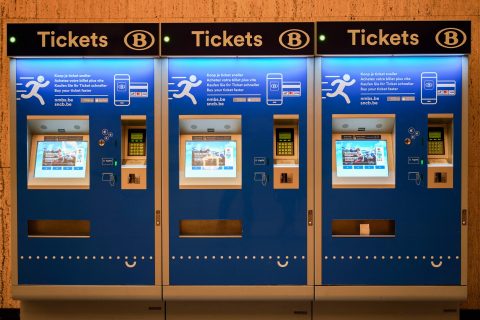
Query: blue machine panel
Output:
(426,247)
(273,246)
(120,250)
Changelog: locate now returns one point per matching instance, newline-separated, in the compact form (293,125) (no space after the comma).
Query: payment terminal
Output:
(440,151)
(436,141)
(285,155)
(137,142)
(134,152)
(285,145)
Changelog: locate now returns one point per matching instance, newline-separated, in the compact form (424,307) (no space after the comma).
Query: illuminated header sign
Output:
(237,39)
(393,37)
(83,39)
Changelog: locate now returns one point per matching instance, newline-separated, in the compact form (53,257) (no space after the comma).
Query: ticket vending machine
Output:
(393,184)
(410,150)
(76,174)
(83,185)
(392,194)
(237,175)
(237,184)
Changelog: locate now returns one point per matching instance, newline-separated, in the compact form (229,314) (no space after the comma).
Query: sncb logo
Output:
(139,40)
(294,39)
(451,38)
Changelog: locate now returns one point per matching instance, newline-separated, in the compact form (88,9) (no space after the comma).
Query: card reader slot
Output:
(363,228)
(210,228)
(58,228)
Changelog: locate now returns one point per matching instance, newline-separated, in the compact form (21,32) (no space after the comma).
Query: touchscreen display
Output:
(61,159)
(210,159)
(362,158)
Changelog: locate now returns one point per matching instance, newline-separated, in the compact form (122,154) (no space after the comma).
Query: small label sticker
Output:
(107,162)
(259,161)
(413,160)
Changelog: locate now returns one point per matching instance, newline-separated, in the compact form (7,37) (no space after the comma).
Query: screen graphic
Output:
(362,158)
(61,159)
(211,159)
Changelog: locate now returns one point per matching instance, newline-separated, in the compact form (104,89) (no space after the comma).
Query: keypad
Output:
(136,149)
(436,148)
(285,148)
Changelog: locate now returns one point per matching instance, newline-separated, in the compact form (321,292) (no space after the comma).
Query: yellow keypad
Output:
(436,147)
(285,148)
(136,149)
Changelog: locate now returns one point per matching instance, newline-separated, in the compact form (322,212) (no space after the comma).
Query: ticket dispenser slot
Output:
(363,151)
(285,152)
(58,148)
(440,151)
(134,152)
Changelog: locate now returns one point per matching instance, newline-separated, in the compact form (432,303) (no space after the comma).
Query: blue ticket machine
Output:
(83,163)
(393,171)
(236,174)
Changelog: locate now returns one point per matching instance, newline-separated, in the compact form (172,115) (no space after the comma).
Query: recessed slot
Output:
(211,228)
(59,228)
(440,177)
(363,228)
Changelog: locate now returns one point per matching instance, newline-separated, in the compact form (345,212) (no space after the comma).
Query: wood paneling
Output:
(473,301)
(5,279)
(244,10)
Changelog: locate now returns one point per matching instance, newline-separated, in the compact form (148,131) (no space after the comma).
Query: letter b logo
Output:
(294,39)
(139,40)
(451,38)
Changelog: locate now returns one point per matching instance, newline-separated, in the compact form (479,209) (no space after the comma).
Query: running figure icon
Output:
(341,86)
(188,85)
(36,85)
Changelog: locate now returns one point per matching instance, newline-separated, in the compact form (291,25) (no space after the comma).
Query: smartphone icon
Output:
(121,93)
(429,87)
(274,89)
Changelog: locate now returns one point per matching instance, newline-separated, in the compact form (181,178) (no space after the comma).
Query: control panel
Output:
(440,151)
(436,141)
(285,154)
(134,152)
(285,145)
(137,142)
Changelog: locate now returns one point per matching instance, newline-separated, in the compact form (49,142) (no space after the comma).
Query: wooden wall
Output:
(242,10)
